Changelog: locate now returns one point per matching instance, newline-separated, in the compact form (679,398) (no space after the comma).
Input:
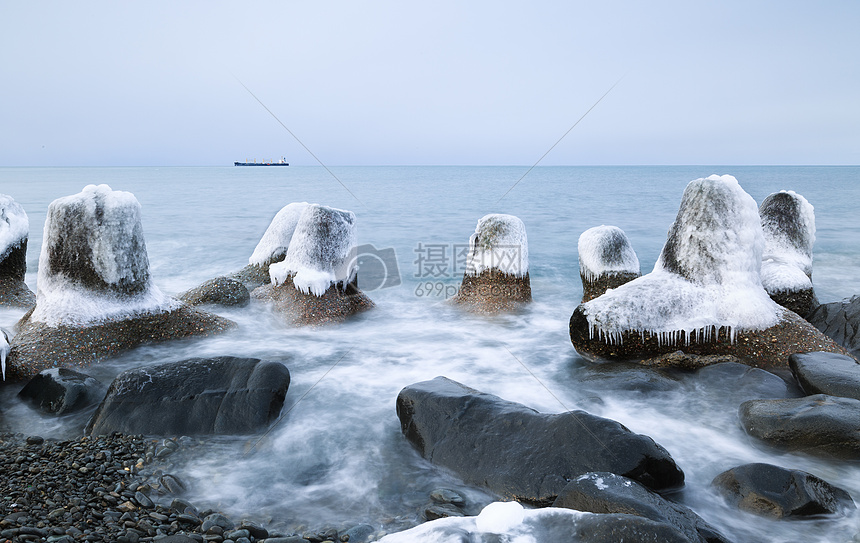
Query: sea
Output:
(336,456)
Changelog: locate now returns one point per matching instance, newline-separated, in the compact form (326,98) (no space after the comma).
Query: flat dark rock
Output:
(518,452)
(819,424)
(61,390)
(223,395)
(253,275)
(38,346)
(15,293)
(625,376)
(840,321)
(776,492)
(219,291)
(827,373)
(603,492)
(733,382)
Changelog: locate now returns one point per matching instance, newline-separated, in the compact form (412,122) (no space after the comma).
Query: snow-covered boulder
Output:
(606,260)
(316,282)
(95,295)
(272,247)
(497,270)
(704,295)
(788,223)
(14,232)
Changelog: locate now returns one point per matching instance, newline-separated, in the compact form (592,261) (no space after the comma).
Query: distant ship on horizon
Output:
(281,162)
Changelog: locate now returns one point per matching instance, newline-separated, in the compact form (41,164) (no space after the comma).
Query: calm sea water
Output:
(338,455)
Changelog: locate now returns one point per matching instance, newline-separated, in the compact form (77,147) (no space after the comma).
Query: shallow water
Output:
(337,456)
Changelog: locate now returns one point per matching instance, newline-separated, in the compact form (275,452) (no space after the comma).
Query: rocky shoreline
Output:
(117,488)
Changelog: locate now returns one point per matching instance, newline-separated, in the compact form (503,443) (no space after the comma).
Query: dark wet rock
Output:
(253,276)
(217,519)
(688,361)
(776,492)
(827,373)
(625,376)
(614,528)
(800,301)
(360,534)
(38,346)
(15,293)
(496,278)
(520,453)
(705,294)
(338,303)
(433,511)
(256,531)
(788,224)
(735,382)
(219,291)
(839,321)
(62,390)
(445,495)
(96,296)
(604,492)
(819,424)
(767,349)
(223,395)
(606,260)
(493,292)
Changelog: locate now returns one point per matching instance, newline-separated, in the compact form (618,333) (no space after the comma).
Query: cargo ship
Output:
(282,162)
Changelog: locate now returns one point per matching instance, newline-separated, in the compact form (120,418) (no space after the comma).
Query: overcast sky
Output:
(442,82)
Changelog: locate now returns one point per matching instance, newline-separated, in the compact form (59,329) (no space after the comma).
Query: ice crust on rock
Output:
(14,225)
(93,265)
(506,519)
(499,243)
(321,251)
(788,224)
(603,250)
(707,275)
(276,239)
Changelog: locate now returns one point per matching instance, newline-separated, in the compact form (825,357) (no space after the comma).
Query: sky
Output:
(466,82)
